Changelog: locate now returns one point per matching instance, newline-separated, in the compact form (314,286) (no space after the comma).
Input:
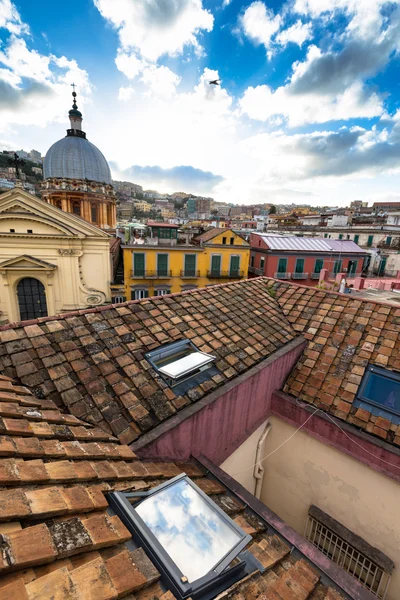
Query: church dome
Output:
(74,157)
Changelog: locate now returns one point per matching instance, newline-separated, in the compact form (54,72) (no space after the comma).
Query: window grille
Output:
(368,573)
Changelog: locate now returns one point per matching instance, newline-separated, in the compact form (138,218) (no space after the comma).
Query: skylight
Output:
(194,544)
(179,361)
(381,388)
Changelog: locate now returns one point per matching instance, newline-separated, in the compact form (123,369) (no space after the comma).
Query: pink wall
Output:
(224,419)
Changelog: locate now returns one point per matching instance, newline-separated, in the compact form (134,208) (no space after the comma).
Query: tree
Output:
(272,210)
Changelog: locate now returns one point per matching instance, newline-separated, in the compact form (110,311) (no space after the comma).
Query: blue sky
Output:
(308,110)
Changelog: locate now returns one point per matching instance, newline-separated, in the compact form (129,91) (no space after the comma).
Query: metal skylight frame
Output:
(218,579)
(171,349)
(387,374)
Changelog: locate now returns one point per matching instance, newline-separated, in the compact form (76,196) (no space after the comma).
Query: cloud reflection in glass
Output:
(195,537)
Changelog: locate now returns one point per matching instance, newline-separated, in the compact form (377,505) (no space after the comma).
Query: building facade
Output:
(162,266)
(303,259)
(77,178)
(50,262)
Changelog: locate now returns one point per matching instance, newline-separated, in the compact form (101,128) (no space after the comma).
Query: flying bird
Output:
(214,82)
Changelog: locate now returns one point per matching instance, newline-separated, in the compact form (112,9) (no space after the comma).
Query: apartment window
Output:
(12,230)
(139,294)
(340,236)
(190,265)
(352,267)
(369,566)
(348,236)
(370,240)
(318,266)
(381,387)
(190,539)
(382,265)
(325,235)
(118,299)
(282,265)
(232,241)
(389,240)
(299,265)
(262,263)
(179,361)
(337,267)
(234,266)
(356,238)
(162,265)
(138,264)
(252,260)
(161,292)
(224,240)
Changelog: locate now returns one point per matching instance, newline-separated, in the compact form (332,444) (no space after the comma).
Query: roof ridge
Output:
(95,309)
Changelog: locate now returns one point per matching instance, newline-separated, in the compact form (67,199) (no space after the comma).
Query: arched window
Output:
(94,213)
(76,208)
(58,204)
(31,299)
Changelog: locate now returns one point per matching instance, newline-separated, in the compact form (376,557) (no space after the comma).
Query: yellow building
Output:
(142,206)
(162,266)
(50,261)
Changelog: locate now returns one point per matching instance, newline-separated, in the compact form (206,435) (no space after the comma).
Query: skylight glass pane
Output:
(186,364)
(383,391)
(193,535)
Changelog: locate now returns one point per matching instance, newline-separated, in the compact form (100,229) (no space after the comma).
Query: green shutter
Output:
(138,264)
(370,240)
(353,266)
(215,265)
(282,264)
(299,265)
(356,238)
(162,265)
(235,263)
(382,266)
(388,240)
(340,236)
(190,265)
(319,263)
(337,266)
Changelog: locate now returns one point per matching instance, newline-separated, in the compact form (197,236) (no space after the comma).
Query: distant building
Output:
(302,259)
(161,266)
(35,156)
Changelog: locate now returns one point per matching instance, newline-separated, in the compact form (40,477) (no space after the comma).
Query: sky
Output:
(307,110)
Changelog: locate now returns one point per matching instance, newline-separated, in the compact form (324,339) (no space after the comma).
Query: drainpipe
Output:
(259,469)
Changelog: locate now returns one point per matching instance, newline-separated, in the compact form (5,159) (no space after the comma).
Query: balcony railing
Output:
(255,271)
(159,274)
(225,274)
(346,275)
(190,274)
(299,275)
(283,275)
(315,275)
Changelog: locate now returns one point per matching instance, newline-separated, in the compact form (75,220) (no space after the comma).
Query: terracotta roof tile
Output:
(93,362)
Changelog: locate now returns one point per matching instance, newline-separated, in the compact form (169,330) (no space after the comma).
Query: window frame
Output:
(393,375)
(278,269)
(299,261)
(178,584)
(189,273)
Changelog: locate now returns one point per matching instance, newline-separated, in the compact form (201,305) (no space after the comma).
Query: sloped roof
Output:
(344,335)
(92,361)
(310,244)
(212,233)
(58,539)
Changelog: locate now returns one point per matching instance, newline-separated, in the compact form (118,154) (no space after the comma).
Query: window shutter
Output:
(162,265)
(235,263)
(190,265)
(138,264)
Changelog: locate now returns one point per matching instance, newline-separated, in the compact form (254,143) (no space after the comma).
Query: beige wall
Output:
(240,464)
(305,471)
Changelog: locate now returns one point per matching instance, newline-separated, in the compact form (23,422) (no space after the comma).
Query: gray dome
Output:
(75,157)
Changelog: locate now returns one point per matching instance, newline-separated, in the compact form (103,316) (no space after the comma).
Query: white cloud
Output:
(157,27)
(126,93)
(10,18)
(160,81)
(260,24)
(297,33)
(129,64)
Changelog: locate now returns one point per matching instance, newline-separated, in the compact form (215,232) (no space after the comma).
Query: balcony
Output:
(282,275)
(315,275)
(299,275)
(161,274)
(255,271)
(189,274)
(225,274)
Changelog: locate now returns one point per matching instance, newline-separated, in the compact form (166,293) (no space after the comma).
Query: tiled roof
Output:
(344,335)
(57,539)
(210,234)
(92,361)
